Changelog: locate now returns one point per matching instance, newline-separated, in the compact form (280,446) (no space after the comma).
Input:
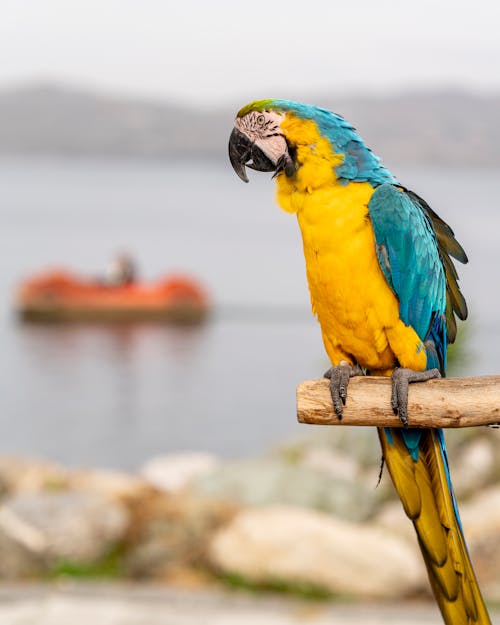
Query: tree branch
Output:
(446,403)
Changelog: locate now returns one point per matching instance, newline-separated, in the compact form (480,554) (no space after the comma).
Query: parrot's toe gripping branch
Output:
(401,378)
(339,377)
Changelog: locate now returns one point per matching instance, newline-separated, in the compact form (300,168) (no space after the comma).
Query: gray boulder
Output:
(273,481)
(23,548)
(49,527)
(173,472)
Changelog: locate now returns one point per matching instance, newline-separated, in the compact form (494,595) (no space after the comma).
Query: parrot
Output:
(384,289)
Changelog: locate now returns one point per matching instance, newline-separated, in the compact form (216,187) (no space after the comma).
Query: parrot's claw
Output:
(401,378)
(339,377)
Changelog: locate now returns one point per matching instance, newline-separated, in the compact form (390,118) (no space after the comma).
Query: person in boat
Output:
(121,271)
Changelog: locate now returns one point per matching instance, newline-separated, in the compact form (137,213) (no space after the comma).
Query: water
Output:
(116,395)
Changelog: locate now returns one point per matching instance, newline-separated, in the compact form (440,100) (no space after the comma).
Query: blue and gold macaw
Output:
(385,292)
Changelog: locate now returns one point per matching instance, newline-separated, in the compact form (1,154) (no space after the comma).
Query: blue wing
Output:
(408,253)
(413,248)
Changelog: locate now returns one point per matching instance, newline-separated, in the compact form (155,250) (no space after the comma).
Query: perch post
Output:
(445,403)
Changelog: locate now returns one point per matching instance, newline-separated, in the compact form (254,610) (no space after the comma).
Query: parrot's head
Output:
(285,137)
(258,141)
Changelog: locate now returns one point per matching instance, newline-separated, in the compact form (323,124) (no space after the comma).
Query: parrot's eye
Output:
(261,120)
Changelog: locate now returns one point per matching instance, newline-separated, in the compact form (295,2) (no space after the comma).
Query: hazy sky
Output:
(224,51)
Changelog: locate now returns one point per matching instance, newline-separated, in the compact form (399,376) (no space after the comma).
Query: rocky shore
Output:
(306,518)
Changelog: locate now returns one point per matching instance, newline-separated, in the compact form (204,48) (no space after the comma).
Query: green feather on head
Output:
(257,105)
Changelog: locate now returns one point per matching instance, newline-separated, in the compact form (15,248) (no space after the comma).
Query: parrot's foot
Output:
(339,377)
(401,378)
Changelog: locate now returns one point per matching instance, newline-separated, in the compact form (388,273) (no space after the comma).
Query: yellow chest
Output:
(349,293)
(356,308)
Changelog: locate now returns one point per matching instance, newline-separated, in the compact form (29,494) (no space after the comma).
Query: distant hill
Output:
(443,127)
(449,127)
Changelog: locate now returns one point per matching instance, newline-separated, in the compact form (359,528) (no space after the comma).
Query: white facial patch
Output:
(263,129)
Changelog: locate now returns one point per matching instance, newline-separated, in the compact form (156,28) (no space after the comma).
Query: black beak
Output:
(242,153)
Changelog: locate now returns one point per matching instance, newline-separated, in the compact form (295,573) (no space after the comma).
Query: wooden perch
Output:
(447,403)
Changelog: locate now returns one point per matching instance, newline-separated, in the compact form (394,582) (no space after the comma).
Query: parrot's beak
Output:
(243,152)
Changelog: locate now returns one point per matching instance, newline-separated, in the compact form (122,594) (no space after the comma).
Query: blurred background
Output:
(170,442)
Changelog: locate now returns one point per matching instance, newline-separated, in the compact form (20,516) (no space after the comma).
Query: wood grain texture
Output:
(446,403)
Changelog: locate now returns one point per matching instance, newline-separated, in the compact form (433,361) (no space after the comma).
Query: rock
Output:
(173,472)
(474,467)
(114,485)
(304,547)
(481,515)
(28,475)
(72,526)
(22,548)
(359,444)
(332,462)
(173,535)
(269,481)
(392,518)
(347,454)
(481,522)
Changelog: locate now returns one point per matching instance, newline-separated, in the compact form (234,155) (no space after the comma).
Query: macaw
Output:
(385,292)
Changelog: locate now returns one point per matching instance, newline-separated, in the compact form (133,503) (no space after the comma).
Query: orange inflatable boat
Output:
(62,296)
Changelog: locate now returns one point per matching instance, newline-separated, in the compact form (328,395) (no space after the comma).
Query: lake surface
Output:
(116,395)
